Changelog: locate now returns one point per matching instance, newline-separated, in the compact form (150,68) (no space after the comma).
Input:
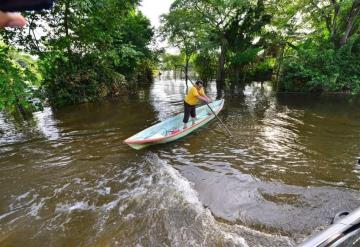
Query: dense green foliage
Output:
(205,65)
(171,62)
(230,26)
(18,76)
(178,26)
(327,59)
(88,49)
(317,68)
(303,45)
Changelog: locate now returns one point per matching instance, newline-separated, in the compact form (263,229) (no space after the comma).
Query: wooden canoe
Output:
(171,129)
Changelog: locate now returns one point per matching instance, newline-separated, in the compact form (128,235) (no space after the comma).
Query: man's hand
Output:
(8,19)
(207,100)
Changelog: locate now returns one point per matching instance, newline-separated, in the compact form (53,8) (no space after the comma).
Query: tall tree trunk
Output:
(278,69)
(26,114)
(244,70)
(187,58)
(66,27)
(336,9)
(354,12)
(237,74)
(220,77)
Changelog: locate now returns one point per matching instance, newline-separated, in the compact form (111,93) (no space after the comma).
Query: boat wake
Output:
(147,203)
(198,227)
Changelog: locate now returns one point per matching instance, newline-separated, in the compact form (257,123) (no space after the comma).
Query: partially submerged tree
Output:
(218,15)
(182,28)
(244,36)
(87,49)
(225,20)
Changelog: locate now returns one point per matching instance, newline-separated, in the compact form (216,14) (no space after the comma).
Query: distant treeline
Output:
(302,45)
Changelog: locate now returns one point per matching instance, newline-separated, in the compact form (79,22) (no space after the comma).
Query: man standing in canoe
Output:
(195,94)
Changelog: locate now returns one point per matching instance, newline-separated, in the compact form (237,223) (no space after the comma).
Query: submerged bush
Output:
(323,68)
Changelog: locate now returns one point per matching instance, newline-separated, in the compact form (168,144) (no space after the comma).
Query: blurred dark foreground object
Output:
(344,232)
(25,5)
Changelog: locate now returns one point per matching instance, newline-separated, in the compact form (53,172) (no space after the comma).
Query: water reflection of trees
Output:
(328,128)
(298,139)
(41,124)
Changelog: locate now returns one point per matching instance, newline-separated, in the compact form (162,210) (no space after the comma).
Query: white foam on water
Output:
(175,181)
(184,187)
(46,123)
(59,190)
(238,241)
(122,208)
(129,217)
(104,191)
(80,206)
(23,196)
(35,208)
(7,214)
(230,234)
(158,189)
(109,206)
(20,202)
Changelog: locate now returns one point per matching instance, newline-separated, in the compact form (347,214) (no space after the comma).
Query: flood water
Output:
(67,179)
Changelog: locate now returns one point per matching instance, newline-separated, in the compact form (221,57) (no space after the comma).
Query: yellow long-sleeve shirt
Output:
(191,97)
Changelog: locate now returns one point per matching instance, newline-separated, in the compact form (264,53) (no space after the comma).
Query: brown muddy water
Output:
(67,179)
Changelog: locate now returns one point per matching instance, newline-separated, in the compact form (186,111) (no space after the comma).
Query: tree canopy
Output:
(82,50)
(86,49)
(302,45)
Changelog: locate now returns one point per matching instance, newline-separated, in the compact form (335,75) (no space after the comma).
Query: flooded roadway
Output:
(66,178)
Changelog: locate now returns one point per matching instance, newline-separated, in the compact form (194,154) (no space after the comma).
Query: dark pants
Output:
(189,110)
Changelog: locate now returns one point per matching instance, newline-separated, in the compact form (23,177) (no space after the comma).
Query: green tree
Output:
(171,61)
(88,49)
(205,64)
(241,34)
(222,20)
(181,28)
(319,53)
(17,79)
(218,15)
(337,20)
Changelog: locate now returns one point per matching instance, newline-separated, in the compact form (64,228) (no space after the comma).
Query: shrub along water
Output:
(321,67)
(18,81)
(94,48)
(88,49)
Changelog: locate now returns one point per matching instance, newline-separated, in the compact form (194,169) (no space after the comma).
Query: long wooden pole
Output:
(228,131)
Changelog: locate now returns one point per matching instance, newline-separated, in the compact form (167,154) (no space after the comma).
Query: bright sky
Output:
(154,8)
